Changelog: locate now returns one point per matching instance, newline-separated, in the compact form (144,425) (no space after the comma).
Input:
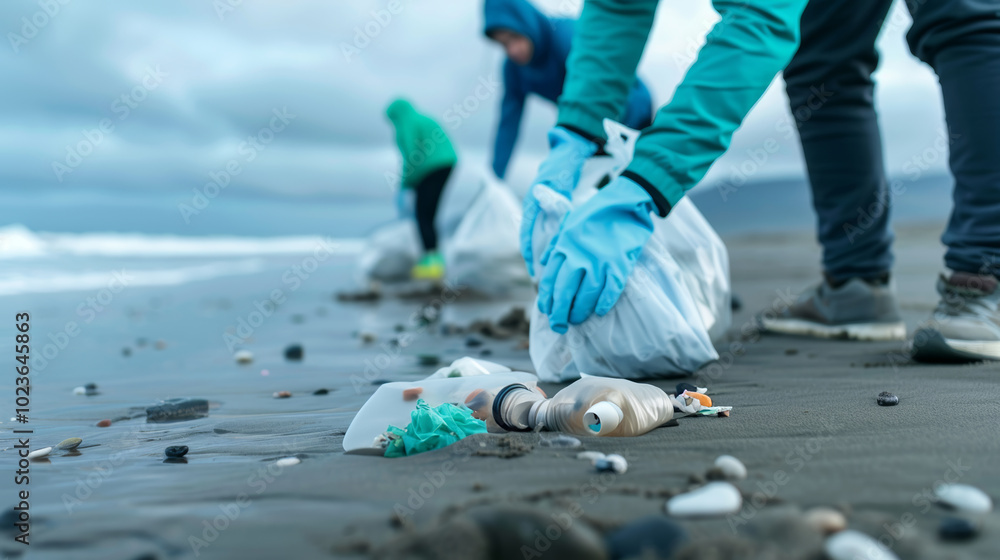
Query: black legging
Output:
(428,192)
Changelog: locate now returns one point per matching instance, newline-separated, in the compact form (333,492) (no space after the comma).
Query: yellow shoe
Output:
(430,267)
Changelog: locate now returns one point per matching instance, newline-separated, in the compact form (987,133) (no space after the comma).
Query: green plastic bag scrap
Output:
(432,428)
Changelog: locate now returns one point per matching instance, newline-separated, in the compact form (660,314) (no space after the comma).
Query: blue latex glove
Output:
(590,259)
(560,172)
(406,204)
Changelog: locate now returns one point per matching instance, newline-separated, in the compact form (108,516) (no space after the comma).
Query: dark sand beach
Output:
(804,422)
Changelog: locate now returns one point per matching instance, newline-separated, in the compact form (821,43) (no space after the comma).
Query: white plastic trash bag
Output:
(484,253)
(389,253)
(675,302)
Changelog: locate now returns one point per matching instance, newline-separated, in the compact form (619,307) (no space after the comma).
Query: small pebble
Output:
(731,467)
(825,520)
(648,537)
(39,453)
(68,444)
(886,398)
(243,356)
(612,463)
(104,423)
(399,327)
(321,392)
(736,303)
(428,359)
(591,456)
(963,497)
(160,344)
(715,498)
(850,545)
(176,451)
(287,462)
(140,342)
(298,318)
(79,391)
(367,338)
(282,394)
(126,352)
(957,529)
(293,353)
(560,441)
(485,352)
(412,394)
(265,372)
(473,342)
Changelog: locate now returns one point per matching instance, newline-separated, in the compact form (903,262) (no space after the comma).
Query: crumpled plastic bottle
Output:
(591,406)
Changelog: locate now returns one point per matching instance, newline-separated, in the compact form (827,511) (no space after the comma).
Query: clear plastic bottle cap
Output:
(603,417)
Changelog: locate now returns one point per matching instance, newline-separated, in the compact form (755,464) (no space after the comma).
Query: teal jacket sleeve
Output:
(511,110)
(743,53)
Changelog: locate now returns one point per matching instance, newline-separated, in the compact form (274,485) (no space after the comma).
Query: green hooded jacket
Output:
(742,54)
(422,142)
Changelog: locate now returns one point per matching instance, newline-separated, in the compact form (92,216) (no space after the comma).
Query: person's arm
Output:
(404,141)
(511,110)
(744,51)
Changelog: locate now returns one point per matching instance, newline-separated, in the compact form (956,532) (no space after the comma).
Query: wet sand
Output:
(804,422)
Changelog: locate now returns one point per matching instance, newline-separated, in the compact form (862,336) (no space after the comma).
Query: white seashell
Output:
(38,453)
(731,467)
(714,498)
(825,520)
(591,456)
(80,391)
(850,544)
(243,356)
(963,497)
(287,462)
(612,463)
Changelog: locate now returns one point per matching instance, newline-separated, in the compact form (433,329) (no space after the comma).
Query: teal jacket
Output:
(742,54)
(422,142)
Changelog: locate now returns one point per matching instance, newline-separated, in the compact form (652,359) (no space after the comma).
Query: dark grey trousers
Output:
(830,91)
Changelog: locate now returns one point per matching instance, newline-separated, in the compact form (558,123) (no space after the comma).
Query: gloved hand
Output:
(590,259)
(560,172)
(406,204)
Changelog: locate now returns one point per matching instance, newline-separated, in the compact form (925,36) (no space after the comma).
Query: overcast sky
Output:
(199,76)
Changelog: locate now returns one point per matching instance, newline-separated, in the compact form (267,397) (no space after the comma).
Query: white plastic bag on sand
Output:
(676,300)
(468,367)
(389,253)
(484,253)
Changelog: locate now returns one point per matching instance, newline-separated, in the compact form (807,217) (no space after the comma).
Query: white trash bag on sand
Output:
(676,301)
(484,254)
(389,253)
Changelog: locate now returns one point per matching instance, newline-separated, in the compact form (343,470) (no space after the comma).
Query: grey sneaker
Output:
(858,309)
(965,326)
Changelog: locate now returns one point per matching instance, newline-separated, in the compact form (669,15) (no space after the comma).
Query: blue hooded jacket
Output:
(544,75)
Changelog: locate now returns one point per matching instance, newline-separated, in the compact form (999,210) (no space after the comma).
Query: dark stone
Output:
(90,386)
(126,352)
(681,387)
(647,537)
(485,352)
(293,352)
(473,342)
(176,410)
(176,451)
(321,392)
(736,303)
(399,328)
(886,398)
(428,359)
(957,529)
